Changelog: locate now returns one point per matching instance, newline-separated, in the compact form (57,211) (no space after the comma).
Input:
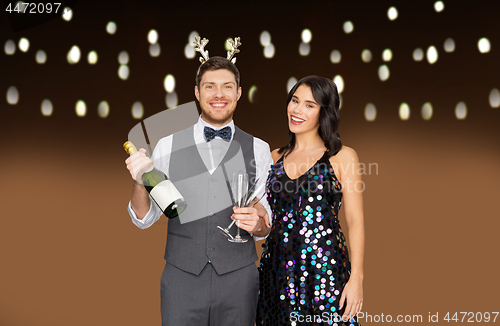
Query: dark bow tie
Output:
(224,133)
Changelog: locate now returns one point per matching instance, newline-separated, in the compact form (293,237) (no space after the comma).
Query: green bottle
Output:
(162,190)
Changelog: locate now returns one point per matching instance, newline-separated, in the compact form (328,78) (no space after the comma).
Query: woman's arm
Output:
(352,187)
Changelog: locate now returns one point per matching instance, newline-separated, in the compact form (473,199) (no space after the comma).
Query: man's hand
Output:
(137,164)
(254,220)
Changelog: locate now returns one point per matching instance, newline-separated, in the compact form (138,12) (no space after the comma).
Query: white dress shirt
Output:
(216,149)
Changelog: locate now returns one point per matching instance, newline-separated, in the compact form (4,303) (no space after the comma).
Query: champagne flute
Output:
(239,187)
(249,200)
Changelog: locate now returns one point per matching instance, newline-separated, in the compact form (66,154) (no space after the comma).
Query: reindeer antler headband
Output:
(199,45)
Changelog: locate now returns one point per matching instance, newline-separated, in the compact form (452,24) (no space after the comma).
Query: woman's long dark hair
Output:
(325,94)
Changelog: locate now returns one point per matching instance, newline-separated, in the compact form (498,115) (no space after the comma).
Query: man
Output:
(208,280)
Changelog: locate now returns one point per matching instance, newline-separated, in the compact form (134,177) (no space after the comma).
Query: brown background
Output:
(70,254)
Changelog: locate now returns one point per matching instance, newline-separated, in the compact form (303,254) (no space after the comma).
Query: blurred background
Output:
(419,83)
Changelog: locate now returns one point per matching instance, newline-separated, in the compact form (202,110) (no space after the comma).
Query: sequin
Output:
(305,260)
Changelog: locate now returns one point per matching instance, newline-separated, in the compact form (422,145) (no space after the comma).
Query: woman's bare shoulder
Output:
(343,159)
(346,154)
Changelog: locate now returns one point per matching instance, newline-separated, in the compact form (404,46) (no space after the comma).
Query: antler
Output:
(234,49)
(200,47)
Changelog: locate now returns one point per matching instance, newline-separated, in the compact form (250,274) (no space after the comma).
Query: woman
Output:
(307,276)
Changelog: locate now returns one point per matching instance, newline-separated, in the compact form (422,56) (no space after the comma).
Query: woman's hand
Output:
(353,296)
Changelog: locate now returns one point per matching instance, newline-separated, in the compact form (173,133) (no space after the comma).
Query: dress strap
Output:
(322,158)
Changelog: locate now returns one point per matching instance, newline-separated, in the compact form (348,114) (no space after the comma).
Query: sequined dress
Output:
(305,263)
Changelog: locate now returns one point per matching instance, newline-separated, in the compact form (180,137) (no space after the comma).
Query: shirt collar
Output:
(201,124)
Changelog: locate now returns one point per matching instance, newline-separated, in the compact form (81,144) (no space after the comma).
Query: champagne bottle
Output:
(162,190)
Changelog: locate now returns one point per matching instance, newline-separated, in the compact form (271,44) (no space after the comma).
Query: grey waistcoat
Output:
(193,244)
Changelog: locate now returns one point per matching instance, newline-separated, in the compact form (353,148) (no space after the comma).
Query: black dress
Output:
(305,263)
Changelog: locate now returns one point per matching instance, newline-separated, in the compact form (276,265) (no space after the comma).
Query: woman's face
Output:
(303,111)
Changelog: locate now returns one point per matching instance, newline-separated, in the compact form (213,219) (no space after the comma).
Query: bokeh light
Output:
(152,36)
(404,111)
(67,14)
(73,55)
(22,7)
(418,54)
(154,50)
(10,47)
(191,36)
(137,110)
(169,83)
(171,100)
(366,55)
(92,57)
(461,111)
(123,58)
(449,45)
(494,98)
(189,51)
(123,72)
(252,94)
(432,54)
(81,108)
(103,109)
(439,6)
(269,51)
(383,72)
(348,27)
(41,57)
(304,49)
(24,44)
(290,83)
(387,55)
(265,38)
(427,111)
(111,28)
(12,95)
(339,81)
(227,46)
(47,108)
(306,36)
(370,112)
(484,45)
(392,13)
(335,56)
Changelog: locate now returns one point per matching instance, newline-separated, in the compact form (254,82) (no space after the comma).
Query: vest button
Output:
(211,214)
(212,196)
(211,231)
(210,249)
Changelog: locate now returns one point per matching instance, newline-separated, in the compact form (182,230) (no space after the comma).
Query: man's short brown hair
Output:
(216,63)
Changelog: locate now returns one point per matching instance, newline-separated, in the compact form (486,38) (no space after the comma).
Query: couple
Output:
(305,270)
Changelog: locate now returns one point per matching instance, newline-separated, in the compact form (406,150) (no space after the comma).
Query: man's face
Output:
(218,96)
